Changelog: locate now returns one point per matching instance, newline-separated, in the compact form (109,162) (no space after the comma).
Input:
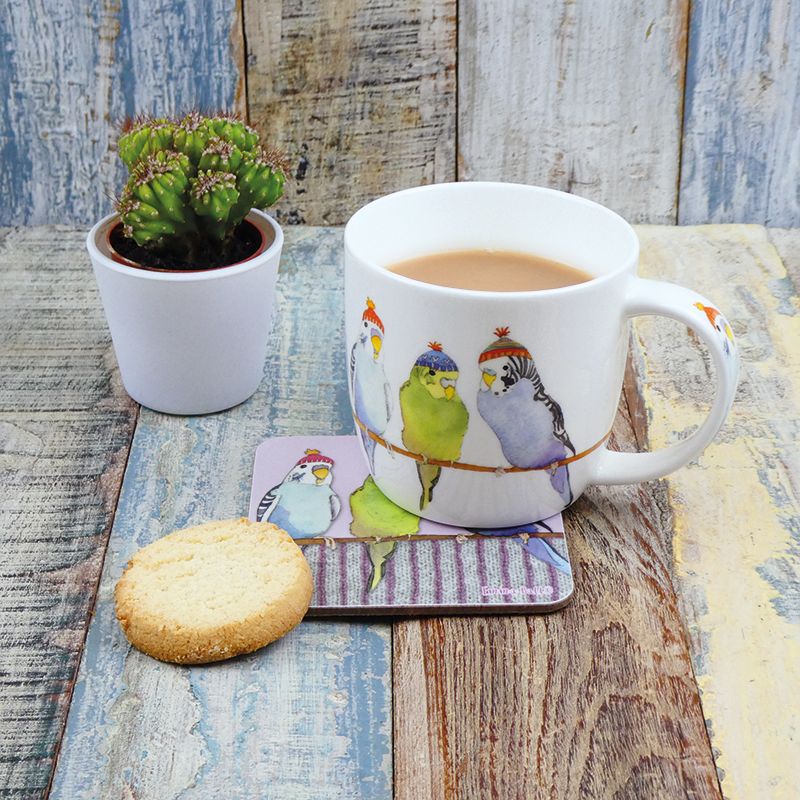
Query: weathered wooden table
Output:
(673,673)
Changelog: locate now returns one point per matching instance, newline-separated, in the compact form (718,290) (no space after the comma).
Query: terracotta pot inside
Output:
(253,236)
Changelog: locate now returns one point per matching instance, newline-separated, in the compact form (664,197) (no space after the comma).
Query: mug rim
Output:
(626,264)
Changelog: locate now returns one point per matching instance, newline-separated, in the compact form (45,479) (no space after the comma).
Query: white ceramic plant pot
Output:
(189,342)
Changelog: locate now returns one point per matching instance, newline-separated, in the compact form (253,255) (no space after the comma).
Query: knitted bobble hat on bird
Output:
(370,315)
(436,359)
(504,346)
(315,457)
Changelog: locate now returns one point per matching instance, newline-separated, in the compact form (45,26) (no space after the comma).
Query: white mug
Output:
(444,435)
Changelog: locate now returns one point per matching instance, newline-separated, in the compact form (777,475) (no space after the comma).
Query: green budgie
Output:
(434,417)
(375,515)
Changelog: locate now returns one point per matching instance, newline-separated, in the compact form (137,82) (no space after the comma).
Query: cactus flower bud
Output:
(213,196)
(152,203)
(220,155)
(261,177)
(233,130)
(142,137)
(191,136)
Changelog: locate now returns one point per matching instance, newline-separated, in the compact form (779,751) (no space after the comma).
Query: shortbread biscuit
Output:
(213,591)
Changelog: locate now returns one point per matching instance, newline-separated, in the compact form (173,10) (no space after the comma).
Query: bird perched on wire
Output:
(303,504)
(370,388)
(537,546)
(375,515)
(435,418)
(526,420)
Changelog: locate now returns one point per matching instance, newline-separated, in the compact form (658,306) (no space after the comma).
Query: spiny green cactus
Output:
(192,181)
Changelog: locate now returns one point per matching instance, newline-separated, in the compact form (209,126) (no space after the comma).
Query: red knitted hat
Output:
(503,347)
(369,314)
(315,457)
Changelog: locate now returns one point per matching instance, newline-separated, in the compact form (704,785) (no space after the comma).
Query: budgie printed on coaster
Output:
(303,503)
(368,555)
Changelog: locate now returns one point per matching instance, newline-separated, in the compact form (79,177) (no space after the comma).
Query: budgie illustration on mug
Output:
(435,418)
(720,325)
(526,420)
(303,503)
(371,392)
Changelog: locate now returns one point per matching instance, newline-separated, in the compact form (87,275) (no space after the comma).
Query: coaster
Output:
(369,556)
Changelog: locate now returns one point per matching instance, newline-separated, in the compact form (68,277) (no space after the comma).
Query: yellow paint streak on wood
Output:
(734,509)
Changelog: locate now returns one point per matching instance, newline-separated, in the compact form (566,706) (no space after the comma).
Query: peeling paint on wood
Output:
(737,510)
(69,71)
(741,149)
(784,288)
(583,97)
(307,717)
(360,94)
(65,429)
(596,700)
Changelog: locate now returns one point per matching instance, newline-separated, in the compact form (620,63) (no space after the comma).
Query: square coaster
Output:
(369,556)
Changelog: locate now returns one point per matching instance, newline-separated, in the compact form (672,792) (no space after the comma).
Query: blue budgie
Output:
(371,391)
(537,546)
(527,421)
(303,504)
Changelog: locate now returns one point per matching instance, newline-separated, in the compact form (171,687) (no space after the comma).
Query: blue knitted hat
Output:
(436,359)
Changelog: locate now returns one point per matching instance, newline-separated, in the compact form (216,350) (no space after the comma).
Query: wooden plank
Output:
(65,430)
(596,700)
(741,160)
(309,717)
(69,72)
(737,510)
(583,97)
(787,243)
(360,94)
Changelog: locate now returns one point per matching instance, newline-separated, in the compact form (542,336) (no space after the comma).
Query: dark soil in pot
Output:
(246,241)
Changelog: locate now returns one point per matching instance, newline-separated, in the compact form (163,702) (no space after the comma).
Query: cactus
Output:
(192,181)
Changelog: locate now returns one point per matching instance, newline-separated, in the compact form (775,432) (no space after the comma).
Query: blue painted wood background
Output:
(70,71)
(310,718)
(364,99)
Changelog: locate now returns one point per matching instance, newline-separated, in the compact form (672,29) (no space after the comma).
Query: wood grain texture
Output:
(596,700)
(69,71)
(583,97)
(360,94)
(741,151)
(65,429)
(787,243)
(307,717)
(737,510)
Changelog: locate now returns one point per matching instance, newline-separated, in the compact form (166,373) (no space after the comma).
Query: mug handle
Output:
(668,300)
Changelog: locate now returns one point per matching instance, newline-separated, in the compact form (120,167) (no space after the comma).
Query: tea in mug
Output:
(490,271)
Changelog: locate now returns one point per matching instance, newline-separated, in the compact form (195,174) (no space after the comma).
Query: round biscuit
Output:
(213,591)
